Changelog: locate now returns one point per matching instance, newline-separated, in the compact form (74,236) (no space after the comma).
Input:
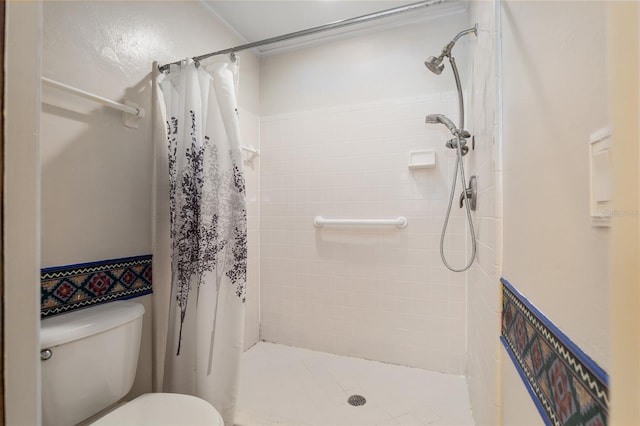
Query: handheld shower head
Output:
(441,119)
(432,119)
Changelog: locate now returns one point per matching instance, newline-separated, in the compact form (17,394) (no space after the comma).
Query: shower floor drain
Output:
(357,400)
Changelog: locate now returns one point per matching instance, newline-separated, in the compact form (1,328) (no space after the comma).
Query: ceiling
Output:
(258,20)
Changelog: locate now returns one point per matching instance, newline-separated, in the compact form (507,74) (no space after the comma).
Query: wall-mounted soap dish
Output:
(422,159)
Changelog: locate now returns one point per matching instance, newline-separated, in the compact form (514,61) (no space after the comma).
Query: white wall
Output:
(338,122)
(365,68)
(555,95)
(624,84)
(484,296)
(516,407)
(96,173)
(21,214)
(250,134)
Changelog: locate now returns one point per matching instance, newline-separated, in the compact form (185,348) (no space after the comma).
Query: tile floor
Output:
(281,385)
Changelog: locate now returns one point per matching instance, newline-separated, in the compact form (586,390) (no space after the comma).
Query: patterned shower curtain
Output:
(208,232)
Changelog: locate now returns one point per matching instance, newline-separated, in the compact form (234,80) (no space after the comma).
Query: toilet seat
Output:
(163,409)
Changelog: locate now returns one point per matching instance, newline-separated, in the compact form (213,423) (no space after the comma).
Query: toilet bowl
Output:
(89,359)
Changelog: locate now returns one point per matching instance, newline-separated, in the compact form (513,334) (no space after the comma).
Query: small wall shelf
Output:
(422,159)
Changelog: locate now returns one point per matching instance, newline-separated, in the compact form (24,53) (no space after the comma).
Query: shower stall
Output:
(331,127)
(374,292)
(339,122)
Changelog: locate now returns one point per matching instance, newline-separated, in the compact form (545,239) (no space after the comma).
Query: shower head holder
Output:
(453,144)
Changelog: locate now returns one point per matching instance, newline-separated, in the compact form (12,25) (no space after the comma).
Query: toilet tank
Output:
(92,360)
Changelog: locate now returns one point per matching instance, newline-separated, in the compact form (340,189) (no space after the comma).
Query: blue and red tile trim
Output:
(66,288)
(567,387)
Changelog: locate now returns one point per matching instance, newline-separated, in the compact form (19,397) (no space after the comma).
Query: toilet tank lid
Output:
(76,325)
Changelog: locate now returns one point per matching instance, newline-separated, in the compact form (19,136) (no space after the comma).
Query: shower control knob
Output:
(465,194)
(471,193)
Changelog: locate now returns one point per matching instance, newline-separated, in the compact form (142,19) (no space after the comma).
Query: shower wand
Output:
(469,194)
(441,119)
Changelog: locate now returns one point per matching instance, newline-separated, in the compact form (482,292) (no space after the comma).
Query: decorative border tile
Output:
(567,387)
(70,287)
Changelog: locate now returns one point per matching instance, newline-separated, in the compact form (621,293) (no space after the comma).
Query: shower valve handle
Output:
(464,194)
(470,193)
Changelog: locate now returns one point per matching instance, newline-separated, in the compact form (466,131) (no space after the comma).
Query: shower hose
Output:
(460,166)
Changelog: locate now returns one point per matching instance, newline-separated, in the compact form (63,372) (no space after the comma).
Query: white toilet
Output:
(89,360)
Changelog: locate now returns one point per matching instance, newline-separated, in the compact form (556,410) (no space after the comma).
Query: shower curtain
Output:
(208,233)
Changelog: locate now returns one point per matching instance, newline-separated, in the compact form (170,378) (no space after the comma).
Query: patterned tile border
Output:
(66,288)
(567,387)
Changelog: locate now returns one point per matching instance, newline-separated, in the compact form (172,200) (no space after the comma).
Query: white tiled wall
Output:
(250,135)
(376,293)
(483,277)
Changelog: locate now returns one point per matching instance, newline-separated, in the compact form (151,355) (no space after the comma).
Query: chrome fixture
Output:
(435,64)
(468,196)
(441,119)
(322,28)
(460,135)
(453,144)
(471,193)
(357,400)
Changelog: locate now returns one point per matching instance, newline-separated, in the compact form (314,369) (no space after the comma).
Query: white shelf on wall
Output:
(422,159)
(251,151)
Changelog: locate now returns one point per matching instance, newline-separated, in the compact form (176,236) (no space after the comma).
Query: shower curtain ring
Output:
(196,62)
(233,57)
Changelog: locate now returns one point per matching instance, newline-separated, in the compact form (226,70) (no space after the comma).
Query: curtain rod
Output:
(309,31)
